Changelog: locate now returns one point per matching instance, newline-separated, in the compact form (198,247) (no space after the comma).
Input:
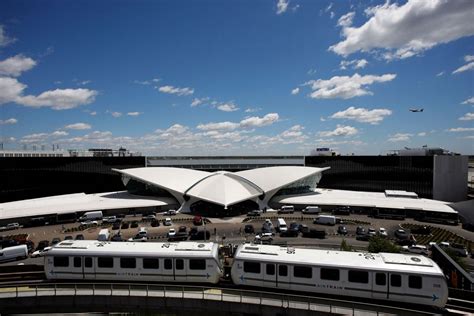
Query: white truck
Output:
(14,253)
(89,216)
(281,226)
(325,220)
(104,235)
(311,210)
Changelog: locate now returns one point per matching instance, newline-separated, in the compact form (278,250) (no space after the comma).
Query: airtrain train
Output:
(384,276)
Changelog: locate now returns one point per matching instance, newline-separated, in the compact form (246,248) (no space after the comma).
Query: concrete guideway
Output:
(115,297)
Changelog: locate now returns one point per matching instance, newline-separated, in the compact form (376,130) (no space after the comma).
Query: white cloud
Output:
(94,113)
(4,39)
(340,131)
(34,138)
(197,101)
(252,110)
(469,101)
(439,74)
(59,133)
(461,129)
(363,115)
(295,7)
(84,82)
(329,7)
(346,19)
(10,89)
(421,134)
(282,6)
(400,137)
(59,99)
(228,107)
(293,132)
(345,87)
(116,114)
(407,30)
(295,91)
(10,121)
(176,90)
(467,117)
(256,121)
(469,59)
(78,126)
(14,66)
(218,126)
(147,82)
(332,15)
(312,71)
(355,64)
(134,113)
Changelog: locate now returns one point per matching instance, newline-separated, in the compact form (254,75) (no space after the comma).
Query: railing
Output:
(224,295)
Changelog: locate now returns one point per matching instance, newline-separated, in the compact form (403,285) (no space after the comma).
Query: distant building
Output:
(323,152)
(422,151)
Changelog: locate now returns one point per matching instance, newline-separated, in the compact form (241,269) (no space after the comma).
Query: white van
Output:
(104,235)
(281,226)
(14,253)
(286,209)
(89,216)
(167,222)
(311,210)
(325,220)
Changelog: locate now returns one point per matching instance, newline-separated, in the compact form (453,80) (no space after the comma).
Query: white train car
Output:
(384,276)
(130,261)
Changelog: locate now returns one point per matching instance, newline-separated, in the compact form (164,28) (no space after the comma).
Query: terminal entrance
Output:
(208,209)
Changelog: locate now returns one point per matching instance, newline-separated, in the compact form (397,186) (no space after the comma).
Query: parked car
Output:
(171,232)
(117,237)
(293,230)
(311,210)
(421,230)
(342,210)
(197,220)
(13,226)
(55,241)
(134,224)
(80,237)
(401,234)
(179,237)
(167,222)
(5,243)
(267,234)
(286,209)
(405,242)
(383,232)
(418,249)
(458,249)
(116,226)
(303,228)
(249,229)
(363,237)
(372,232)
(40,253)
(89,223)
(182,229)
(149,217)
(342,230)
(155,223)
(199,235)
(69,237)
(42,244)
(263,239)
(138,238)
(170,212)
(314,233)
(360,230)
(254,213)
(109,219)
(125,225)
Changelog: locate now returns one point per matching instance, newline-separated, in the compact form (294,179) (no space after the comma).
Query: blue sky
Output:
(237,77)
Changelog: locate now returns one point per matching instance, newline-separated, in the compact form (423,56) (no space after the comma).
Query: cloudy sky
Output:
(237,77)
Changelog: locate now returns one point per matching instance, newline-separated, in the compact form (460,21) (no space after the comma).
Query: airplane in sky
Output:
(416,110)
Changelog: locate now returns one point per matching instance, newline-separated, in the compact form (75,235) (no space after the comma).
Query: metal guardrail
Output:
(224,295)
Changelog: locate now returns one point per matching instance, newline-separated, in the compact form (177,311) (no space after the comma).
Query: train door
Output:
(180,270)
(395,290)
(168,270)
(270,275)
(88,270)
(283,276)
(380,285)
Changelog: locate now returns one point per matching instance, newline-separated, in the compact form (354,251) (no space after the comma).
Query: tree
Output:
(379,244)
(345,246)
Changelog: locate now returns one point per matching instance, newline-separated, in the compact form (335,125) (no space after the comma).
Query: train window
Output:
(197,264)
(105,262)
(380,279)
(358,276)
(150,263)
(415,282)
(252,267)
(270,269)
(283,270)
(168,264)
(329,274)
(61,261)
(77,262)
(396,280)
(128,263)
(303,272)
(179,264)
(88,262)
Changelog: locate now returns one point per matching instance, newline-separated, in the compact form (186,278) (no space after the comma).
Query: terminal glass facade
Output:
(376,173)
(302,186)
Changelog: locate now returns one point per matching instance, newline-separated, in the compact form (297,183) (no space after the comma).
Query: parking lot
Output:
(232,230)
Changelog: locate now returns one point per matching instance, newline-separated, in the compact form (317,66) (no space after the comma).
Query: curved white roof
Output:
(272,178)
(176,179)
(224,188)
